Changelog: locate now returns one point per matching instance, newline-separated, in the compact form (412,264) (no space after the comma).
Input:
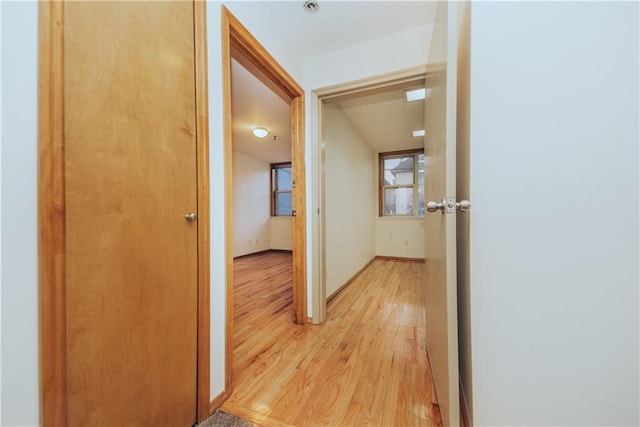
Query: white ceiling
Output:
(337,24)
(255,105)
(386,120)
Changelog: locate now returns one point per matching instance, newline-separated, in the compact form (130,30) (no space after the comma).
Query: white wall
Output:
(251,204)
(254,229)
(554,224)
(281,233)
(392,53)
(20,366)
(400,237)
(216,174)
(350,200)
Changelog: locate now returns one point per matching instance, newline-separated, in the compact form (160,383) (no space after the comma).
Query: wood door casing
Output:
(236,38)
(130,177)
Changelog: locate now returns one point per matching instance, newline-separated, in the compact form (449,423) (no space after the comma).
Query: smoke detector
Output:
(311,6)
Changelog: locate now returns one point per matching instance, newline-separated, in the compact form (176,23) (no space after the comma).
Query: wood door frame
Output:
(236,37)
(51,212)
(368,86)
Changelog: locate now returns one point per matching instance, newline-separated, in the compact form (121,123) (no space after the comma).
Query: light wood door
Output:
(440,227)
(130,161)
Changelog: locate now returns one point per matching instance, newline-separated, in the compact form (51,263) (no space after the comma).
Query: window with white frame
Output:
(401,183)
(281,189)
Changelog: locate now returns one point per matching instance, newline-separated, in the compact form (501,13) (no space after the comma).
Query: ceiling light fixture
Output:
(260,132)
(417,133)
(415,94)
(311,6)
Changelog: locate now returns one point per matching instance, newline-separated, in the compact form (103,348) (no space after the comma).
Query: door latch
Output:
(449,205)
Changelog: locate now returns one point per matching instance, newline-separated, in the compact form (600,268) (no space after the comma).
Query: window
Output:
(281,185)
(402,183)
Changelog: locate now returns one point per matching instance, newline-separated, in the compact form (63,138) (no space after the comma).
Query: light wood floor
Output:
(366,365)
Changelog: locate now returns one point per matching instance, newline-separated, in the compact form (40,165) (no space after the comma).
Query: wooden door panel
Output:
(130,178)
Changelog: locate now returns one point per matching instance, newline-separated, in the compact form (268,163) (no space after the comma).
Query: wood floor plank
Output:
(366,365)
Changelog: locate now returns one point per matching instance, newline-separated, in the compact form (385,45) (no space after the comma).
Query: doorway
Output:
(238,43)
(330,97)
(262,214)
(123,219)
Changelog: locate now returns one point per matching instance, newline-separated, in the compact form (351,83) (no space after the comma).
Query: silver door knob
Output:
(191,216)
(463,206)
(435,206)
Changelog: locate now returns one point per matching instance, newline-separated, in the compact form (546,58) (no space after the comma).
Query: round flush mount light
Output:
(311,6)
(260,132)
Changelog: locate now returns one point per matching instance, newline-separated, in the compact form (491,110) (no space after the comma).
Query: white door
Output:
(440,226)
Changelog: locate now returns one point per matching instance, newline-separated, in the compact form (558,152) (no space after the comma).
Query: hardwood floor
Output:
(366,365)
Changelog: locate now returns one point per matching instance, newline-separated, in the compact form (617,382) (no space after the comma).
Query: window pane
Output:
(421,200)
(398,201)
(421,184)
(283,179)
(283,204)
(398,170)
